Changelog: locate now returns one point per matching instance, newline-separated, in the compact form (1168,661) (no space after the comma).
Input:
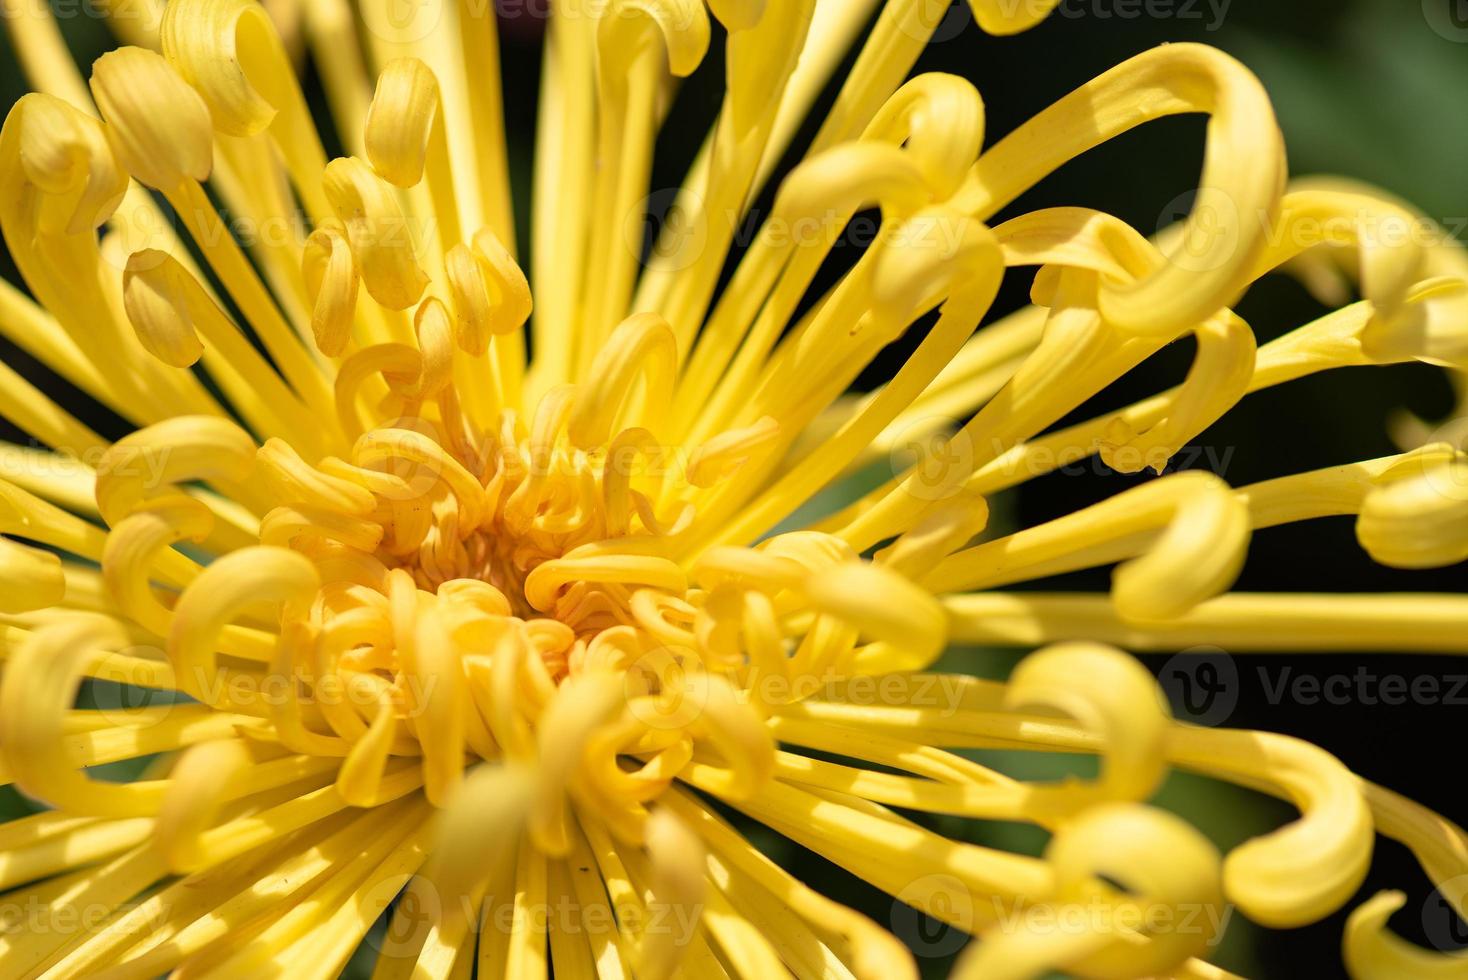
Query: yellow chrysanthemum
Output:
(485,610)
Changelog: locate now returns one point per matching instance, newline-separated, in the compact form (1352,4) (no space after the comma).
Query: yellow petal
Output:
(158,126)
(382,239)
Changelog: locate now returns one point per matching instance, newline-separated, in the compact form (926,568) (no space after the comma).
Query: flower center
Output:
(494,514)
(503,528)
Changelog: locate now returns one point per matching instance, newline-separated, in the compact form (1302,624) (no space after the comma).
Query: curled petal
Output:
(239,581)
(283,527)
(545,429)
(641,348)
(849,177)
(400,365)
(939,119)
(1243,175)
(160,297)
(1075,238)
(1167,868)
(939,532)
(400,119)
(1197,557)
(294,481)
(62,153)
(39,688)
(678,886)
(907,624)
(1430,326)
(1113,696)
(465,857)
(153,461)
(198,786)
(158,126)
(1220,377)
(407,446)
(435,331)
(725,452)
(1303,871)
(581,705)
(1390,254)
(1160,860)
(490,294)
(134,546)
(1186,535)
(1417,514)
(1006,17)
(682,24)
(331,282)
(173,317)
(379,234)
(602,563)
(853,597)
(230,52)
(1373,952)
(735,729)
(941,254)
(619,499)
(781,563)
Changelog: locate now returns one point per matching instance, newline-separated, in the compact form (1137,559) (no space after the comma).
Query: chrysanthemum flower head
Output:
(479,595)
